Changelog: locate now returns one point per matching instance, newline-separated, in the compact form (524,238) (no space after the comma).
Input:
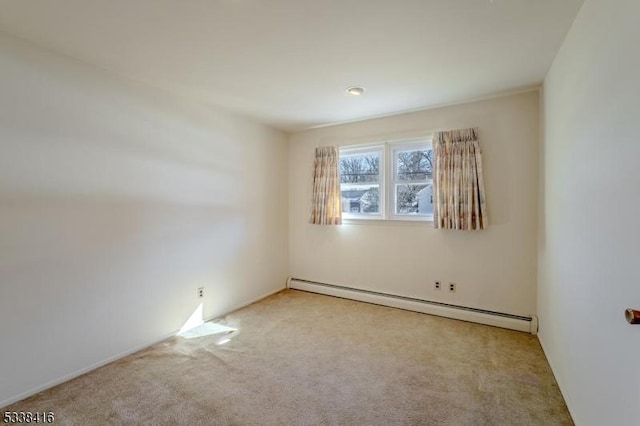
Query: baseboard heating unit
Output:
(481,316)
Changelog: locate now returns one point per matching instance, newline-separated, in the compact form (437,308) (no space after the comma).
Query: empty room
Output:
(294,212)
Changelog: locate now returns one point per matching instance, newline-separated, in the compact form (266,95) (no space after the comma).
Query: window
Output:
(362,182)
(392,180)
(412,181)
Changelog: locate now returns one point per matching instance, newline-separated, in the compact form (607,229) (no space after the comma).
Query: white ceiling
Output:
(287,63)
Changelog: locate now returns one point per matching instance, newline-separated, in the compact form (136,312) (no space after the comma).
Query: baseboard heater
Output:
(481,316)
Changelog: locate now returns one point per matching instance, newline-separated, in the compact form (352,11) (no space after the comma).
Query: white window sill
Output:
(392,221)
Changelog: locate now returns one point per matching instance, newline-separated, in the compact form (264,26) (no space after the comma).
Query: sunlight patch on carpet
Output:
(208,329)
(196,327)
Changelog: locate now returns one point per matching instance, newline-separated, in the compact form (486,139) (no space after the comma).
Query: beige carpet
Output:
(300,358)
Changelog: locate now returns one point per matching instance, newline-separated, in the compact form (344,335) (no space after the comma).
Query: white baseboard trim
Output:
(80,372)
(496,319)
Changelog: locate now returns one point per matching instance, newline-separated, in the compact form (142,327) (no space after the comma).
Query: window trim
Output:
(387,150)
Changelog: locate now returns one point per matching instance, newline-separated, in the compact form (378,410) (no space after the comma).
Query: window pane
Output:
(361,168)
(414,165)
(360,198)
(414,199)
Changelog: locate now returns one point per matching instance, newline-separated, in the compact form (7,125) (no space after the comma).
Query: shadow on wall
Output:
(108,263)
(116,203)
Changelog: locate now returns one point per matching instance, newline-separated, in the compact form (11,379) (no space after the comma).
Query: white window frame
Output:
(387,150)
(393,149)
(380,150)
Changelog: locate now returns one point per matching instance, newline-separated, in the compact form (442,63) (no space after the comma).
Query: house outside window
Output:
(388,181)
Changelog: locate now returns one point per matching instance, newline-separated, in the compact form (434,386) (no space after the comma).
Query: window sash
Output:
(379,150)
(395,181)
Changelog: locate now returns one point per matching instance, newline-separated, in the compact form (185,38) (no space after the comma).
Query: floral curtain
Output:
(458,186)
(326,208)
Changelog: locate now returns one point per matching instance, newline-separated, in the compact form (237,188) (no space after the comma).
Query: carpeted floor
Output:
(305,359)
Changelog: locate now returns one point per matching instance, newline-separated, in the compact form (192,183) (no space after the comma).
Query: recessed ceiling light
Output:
(355,90)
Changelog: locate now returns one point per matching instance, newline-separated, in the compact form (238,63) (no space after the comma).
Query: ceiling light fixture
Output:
(355,90)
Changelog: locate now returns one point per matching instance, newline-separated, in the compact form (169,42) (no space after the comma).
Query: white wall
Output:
(494,269)
(589,237)
(116,202)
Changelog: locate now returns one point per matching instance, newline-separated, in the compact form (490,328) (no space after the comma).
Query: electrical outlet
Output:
(452,287)
(436,286)
(200,291)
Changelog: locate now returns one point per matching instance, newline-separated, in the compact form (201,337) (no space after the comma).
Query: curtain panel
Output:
(326,206)
(458,195)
